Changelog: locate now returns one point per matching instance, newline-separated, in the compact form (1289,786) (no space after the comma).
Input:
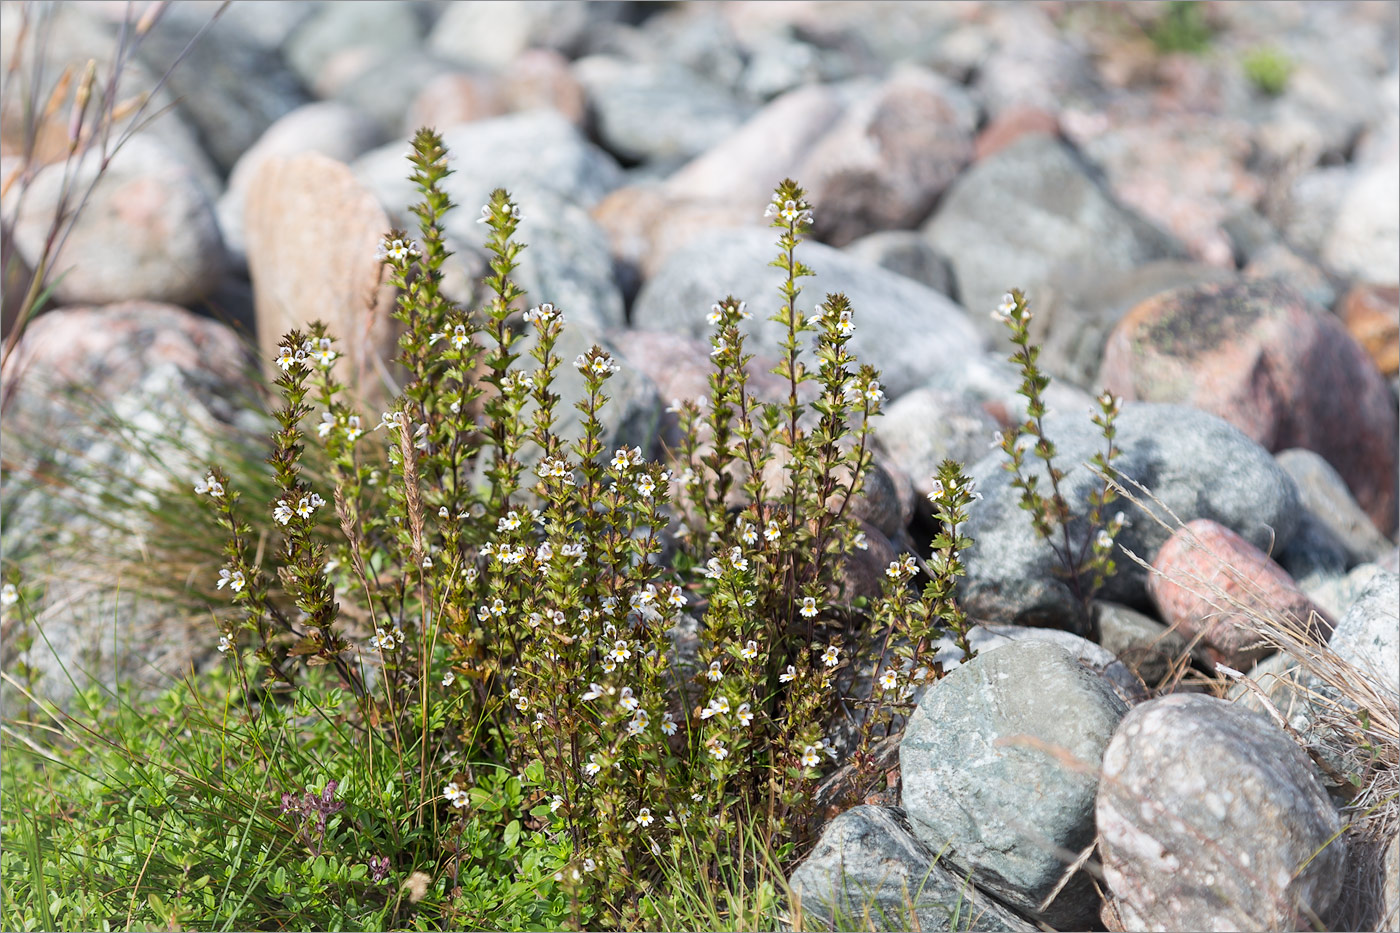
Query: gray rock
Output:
(1029,215)
(909,254)
(538,149)
(656,112)
(148,232)
(365,30)
(1033,64)
(1326,496)
(779,64)
(922,428)
(331,128)
(993,382)
(1148,648)
(1335,594)
(1279,261)
(1195,464)
(1285,686)
(1305,213)
(907,331)
(1012,814)
(868,872)
(491,35)
(1368,636)
(1390,909)
(386,87)
(229,87)
(1211,818)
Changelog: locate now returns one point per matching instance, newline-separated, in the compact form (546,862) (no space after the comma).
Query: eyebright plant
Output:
(496,590)
(1084,552)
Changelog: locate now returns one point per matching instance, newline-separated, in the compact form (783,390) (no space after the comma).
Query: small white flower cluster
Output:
(9,595)
(329,422)
(552,468)
(543,313)
(598,362)
(716,312)
(902,569)
(318,351)
(305,507)
(1006,311)
(873,393)
(789,212)
(455,794)
(1110,401)
(512,211)
(386,640)
(234,580)
(811,756)
(225,643)
(624,459)
(398,249)
(209,485)
(938,492)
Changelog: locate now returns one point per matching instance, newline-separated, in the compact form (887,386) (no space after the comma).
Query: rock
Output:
(143,397)
(1032,65)
(924,427)
(868,869)
(1279,261)
(1325,497)
(862,573)
(1365,240)
(229,86)
(1090,656)
(1009,126)
(907,331)
(1368,636)
(1336,593)
(646,222)
(1314,556)
(328,127)
(1211,582)
(1306,211)
(454,97)
(1195,464)
(991,381)
(905,252)
(489,35)
(1028,216)
(661,112)
(890,155)
(364,31)
(1390,895)
(1211,818)
(980,782)
(1074,316)
(1283,372)
(384,88)
(1371,314)
(148,230)
(1282,681)
(539,149)
(1150,649)
(306,207)
(541,79)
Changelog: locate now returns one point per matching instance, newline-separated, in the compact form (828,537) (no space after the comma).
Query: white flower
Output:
(304,507)
(717,706)
(9,595)
(592,768)
(449,678)
(209,485)
(860,542)
(283,512)
(772,532)
(1103,540)
(646,486)
(936,491)
(455,794)
(894,570)
(889,680)
(826,747)
(621,651)
(749,651)
(715,316)
(324,354)
(719,751)
(623,459)
(713,571)
(788,676)
(714,673)
(593,692)
(845,325)
(589,864)
(234,580)
(810,758)
(353,429)
(668,724)
(541,313)
(626,700)
(737,559)
(873,392)
(510,522)
(1120,520)
(675,597)
(459,337)
(285,358)
(809,607)
(644,817)
(745,714)
(747,533)
(1006,309)
(831,656)
(225,643)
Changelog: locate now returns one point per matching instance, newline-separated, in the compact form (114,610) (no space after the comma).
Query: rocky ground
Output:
(1222,252)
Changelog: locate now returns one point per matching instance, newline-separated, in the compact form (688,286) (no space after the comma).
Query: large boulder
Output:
(1193,463)
(1211,818)
(999,764)
(908,332)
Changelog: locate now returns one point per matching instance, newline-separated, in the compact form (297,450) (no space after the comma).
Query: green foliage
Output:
(1182,26)
(1268,69)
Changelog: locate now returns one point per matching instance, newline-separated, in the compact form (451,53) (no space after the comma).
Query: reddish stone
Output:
(1372,316)
(1011,125)
(1284,372)
(1210,583)
(541,78)
(453,98)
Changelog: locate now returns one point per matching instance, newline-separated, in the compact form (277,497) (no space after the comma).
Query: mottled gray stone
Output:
(869,870)
(1015,815)
(909,254)
(1368,636)
(1328,502)
(1195,464)
(907,331)
(1335,594)
(922,428)
(1031,214)
(1211,818)
(1149,648)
